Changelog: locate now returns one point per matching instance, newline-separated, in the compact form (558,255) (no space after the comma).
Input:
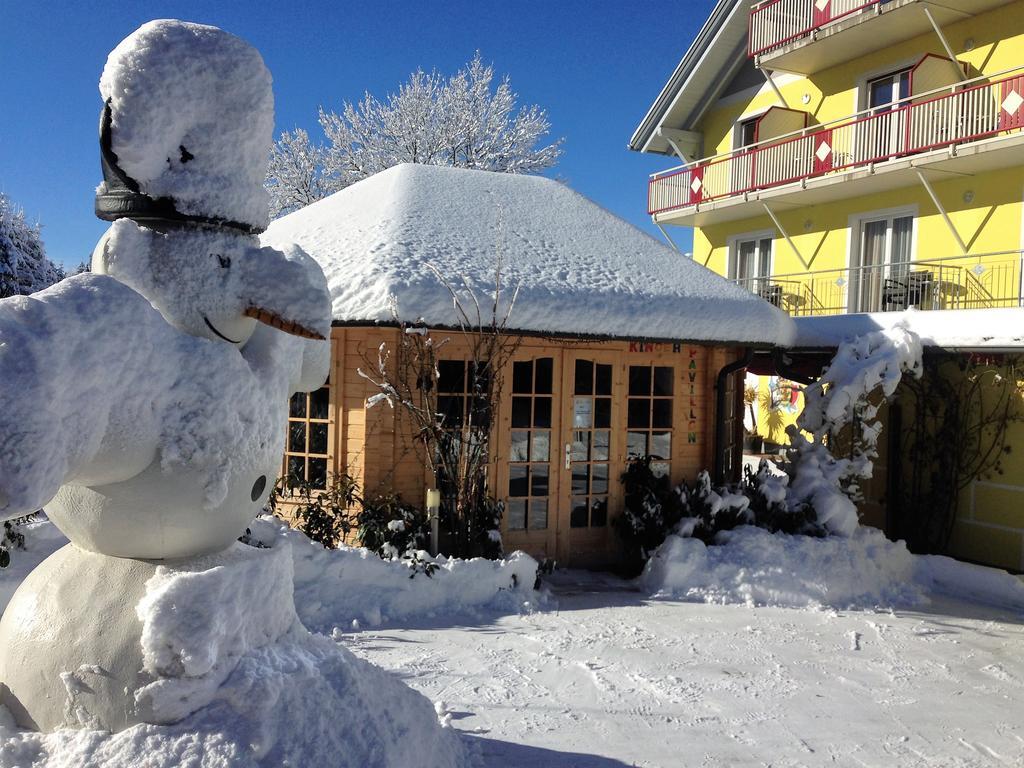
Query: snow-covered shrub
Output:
(487,526)
(654,510)
(842,398)
(394,529)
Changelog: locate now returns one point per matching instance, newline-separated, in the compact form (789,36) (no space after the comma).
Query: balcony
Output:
(985,281)
(807,36)
(967,128)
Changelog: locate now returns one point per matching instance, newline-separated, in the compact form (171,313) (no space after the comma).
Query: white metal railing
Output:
(969,111)
(777,22)
(959,282)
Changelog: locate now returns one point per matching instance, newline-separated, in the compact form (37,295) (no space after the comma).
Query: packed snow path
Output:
(613,679)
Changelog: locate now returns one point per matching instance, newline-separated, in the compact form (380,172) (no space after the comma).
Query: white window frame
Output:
(733,242)
(737,127)
(862,93)
(855,234)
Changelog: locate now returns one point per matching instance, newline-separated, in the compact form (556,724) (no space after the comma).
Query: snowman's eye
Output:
(185,155)
(225,261)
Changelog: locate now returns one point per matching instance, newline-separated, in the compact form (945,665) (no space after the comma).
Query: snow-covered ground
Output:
(599,674)
(612,678)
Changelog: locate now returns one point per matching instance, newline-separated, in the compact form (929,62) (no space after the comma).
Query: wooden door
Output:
(589,491)
(528,452)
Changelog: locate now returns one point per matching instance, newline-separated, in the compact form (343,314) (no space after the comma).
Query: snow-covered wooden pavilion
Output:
(625,347)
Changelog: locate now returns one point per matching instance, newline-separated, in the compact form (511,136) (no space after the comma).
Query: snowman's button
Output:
(258,486)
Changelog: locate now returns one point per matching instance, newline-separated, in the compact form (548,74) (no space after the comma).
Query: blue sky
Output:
(595,66)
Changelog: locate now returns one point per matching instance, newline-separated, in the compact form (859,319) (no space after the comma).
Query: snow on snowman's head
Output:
(217,284)
(190,121)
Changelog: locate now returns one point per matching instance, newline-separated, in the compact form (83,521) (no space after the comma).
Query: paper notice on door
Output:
(582,412)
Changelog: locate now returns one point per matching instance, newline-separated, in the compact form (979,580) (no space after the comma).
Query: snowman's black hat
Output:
(121,198)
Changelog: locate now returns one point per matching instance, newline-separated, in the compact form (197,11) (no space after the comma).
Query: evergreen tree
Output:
(24,267)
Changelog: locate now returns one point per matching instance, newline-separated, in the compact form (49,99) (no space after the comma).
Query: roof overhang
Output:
(708,66)
(564,336)
(992,331)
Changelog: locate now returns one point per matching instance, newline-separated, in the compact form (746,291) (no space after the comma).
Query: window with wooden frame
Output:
(529,458)
(589,457)
(306,451)
(649,415)
(457,382)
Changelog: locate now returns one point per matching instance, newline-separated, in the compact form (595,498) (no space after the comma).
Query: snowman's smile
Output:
(210,326)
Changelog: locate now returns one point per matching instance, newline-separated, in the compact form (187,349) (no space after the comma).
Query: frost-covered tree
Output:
(24,267)
(464,121)
(295,177)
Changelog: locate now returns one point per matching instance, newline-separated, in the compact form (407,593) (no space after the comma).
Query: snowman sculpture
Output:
(144,404)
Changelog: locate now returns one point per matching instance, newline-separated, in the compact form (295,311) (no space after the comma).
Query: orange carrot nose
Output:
(276,321)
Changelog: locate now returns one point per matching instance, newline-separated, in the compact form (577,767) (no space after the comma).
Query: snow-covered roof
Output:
(580,269)
(964,329)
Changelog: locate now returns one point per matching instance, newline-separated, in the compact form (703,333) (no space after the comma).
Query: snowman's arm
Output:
(69,362)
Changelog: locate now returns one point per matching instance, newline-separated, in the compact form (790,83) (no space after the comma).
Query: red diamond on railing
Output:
(1010,113)
(696,185)
(1012,103)
(823,155)
(822,13)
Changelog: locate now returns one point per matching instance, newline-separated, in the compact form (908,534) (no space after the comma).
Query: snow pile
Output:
(192,118)
(750,566)
(195,625)
(339,587)
(114,405)
(579,269)
(876,361)
(253,687)
(976,583)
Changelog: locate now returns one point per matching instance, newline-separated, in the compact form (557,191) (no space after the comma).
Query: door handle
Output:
(568,455)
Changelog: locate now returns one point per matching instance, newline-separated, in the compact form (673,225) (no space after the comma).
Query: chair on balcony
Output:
(913,290)
(895,295)
(772,293)
(920,289)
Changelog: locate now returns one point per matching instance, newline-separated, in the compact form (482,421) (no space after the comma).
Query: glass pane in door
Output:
(589,455)
(866,281)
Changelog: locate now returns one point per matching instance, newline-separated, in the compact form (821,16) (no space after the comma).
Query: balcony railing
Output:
(777,22)
(976,109)
(960,282)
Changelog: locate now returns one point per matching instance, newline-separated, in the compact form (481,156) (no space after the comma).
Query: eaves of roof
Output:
(705,69)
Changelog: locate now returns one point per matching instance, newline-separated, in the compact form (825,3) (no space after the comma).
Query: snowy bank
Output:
(334,587)
(350,586)
(751,566)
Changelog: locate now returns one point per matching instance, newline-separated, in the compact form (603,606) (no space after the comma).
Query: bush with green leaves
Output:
(392,528)
(385,524)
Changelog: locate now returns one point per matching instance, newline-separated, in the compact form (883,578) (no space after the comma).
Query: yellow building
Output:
(856,156)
